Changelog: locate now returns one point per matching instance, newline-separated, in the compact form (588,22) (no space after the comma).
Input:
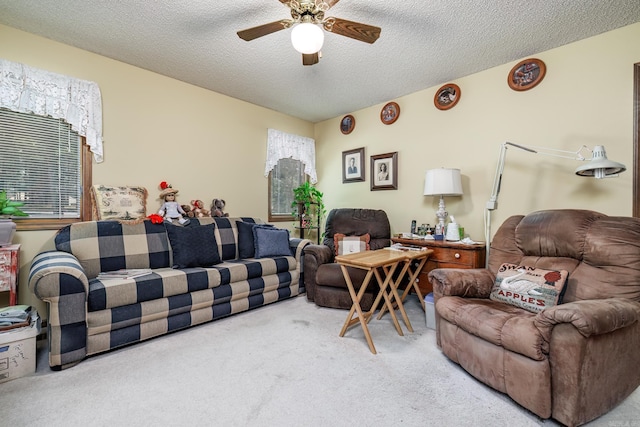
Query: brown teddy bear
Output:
(188,213)
(217,208)
(198,209)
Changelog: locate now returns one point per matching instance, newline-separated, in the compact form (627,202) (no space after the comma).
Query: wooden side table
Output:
(381,264)
(446,254)
(9,264)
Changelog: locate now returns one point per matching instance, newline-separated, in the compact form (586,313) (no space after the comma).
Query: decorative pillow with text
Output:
(532,289)
(119,203)
(351,244)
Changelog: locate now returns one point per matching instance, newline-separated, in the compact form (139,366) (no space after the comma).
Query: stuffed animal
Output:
(217,208)
(188,212)
(198,209)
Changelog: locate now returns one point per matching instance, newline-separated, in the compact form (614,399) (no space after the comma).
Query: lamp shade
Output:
(307,38)
(443,182)
(599,166)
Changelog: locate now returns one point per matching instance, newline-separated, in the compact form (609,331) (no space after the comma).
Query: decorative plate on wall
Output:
(347,124)
(390,113)
(447,96)
(526,74)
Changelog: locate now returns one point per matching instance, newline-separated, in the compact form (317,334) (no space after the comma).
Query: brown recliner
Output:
(572,362)
(323,278)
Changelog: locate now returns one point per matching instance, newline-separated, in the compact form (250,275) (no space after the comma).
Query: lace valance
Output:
(282,145)
(29,90)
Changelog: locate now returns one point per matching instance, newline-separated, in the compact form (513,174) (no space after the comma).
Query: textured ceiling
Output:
(422,44)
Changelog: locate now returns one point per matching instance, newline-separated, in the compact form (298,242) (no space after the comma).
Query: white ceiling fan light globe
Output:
(307,38)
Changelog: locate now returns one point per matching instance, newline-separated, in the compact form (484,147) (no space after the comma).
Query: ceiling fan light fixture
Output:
(307,38)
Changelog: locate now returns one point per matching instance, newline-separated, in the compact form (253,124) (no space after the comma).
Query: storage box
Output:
(430,311)
(18,350)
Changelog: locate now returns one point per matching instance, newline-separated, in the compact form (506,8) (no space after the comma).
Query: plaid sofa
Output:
(89,316)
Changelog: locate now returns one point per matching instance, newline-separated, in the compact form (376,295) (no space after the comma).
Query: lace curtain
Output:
(29,90)
(282,145)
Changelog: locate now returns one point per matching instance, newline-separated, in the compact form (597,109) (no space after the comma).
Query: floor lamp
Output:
(598,166)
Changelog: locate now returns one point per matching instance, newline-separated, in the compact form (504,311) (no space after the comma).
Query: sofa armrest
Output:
(58,278)
(469,283)
(297,246)
(590,317)
(314,256)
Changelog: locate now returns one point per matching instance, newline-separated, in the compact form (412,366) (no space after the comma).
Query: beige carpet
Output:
(279,365)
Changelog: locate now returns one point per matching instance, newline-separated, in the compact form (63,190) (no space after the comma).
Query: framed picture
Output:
(384,171)
(347,124)
(526,74)
(353,165)
(390,113)
(447,96)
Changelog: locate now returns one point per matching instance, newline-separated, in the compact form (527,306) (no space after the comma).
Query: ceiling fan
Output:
(307,37)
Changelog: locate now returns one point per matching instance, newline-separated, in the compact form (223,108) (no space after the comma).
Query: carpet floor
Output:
(279,365)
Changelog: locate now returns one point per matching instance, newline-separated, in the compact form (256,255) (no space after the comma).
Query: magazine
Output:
(125,273)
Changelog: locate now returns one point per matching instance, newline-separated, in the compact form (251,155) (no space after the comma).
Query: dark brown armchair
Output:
(323,277)
(574,361)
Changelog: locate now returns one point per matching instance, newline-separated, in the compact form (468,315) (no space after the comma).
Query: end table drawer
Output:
(454,255)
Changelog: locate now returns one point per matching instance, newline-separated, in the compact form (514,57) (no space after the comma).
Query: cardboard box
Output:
(18,350)
(430,311)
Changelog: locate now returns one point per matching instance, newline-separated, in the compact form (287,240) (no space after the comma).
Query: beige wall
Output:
(159,129)
(585,98)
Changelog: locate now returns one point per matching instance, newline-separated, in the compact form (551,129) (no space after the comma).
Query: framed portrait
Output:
(353,165)
(390,113)
(447,96)
(384,171)
(526,74)
(347,124)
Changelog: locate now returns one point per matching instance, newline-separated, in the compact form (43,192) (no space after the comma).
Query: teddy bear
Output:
(198,209)
(188,212)
(217,207)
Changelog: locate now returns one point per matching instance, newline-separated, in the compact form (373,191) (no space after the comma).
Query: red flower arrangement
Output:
(164,185)
(156,219)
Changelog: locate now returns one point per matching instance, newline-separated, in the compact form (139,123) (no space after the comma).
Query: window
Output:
(284,177)
(46,165)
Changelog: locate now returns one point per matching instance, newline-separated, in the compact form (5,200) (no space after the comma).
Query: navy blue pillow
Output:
(246,246)
(271,241)
(193,246)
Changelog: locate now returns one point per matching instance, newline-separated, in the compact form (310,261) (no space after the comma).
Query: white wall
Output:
(156,129)
(585,98)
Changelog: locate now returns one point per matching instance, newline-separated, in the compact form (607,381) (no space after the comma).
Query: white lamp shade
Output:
(599,166)
(443,182)
(307,38)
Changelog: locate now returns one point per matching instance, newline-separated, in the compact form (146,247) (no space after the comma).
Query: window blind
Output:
(40,164)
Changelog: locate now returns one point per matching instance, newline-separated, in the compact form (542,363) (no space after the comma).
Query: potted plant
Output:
(8,209)
(307,205)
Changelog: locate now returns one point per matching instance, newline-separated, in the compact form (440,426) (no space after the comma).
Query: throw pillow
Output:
(246,245)
(271,241)
(350,244)
(194,246)
(119,203)
(533,289)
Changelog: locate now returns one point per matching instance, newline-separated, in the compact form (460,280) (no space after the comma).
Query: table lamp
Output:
(442,182)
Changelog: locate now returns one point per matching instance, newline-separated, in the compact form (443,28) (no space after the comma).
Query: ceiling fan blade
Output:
(262,30)
(310,58)
(355,30)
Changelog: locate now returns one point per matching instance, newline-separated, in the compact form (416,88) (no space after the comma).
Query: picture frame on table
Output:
(384,171)
(526,74)
(353,165)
